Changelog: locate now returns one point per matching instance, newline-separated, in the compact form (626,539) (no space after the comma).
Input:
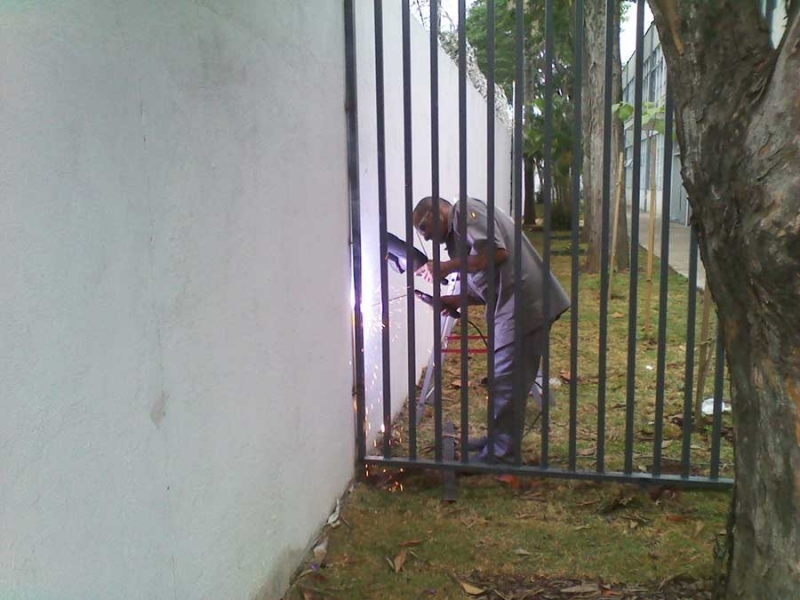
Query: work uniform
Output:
(535,325)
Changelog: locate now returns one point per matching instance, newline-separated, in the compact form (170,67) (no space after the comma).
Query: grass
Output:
(398,539)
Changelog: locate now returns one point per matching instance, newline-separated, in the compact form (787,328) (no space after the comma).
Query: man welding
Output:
(535,324)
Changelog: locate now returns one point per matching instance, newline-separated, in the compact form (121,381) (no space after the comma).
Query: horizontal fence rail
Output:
(631,401)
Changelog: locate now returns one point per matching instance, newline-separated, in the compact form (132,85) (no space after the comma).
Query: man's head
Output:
(424,220)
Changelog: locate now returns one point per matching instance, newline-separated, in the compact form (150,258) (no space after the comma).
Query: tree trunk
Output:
(592,114)
(564,186)
(738,117)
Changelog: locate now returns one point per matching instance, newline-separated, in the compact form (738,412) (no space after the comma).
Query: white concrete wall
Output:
(174,302)
(395,176)
(174,296)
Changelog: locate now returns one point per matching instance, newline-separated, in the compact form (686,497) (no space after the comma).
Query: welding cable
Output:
(486,343)
(480,333)
(532,425)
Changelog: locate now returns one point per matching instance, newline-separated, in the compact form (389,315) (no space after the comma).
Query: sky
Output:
(627,36)
(451,6)
(627,39)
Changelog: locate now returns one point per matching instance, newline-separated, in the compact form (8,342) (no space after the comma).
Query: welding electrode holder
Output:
(397,256)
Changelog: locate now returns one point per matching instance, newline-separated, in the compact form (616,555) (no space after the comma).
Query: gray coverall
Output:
(535,326)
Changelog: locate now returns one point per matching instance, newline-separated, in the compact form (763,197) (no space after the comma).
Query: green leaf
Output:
(623,110)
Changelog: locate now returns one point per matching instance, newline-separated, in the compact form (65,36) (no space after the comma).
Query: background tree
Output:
(504,28)
(593,124)
(563,84)
(562,123)
(504,72)
(534,69)
(563,135)
(738,118)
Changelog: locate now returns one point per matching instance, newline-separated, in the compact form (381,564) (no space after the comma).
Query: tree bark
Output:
(738,118)
(593,115)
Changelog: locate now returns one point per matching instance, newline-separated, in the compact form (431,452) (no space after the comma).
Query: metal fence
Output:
(625,462)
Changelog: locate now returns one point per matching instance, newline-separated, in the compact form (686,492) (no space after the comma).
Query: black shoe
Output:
(479,443)
(482,457)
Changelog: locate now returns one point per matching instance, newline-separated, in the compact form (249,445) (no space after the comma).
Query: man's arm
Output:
(454,302)
(475,263)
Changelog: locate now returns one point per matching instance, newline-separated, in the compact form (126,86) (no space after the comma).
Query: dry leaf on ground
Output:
(511,480)
(469,588)
(399,561)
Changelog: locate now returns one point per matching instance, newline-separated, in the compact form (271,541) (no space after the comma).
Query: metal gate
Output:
(655,431)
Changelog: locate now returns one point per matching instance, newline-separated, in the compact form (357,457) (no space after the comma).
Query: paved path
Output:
(678,246)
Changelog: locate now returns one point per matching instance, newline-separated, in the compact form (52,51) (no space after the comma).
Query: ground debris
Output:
(539,588)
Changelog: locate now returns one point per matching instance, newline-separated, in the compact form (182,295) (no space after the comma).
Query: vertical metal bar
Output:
(382,223)
(663,297)
(518,393)
(603,351)
(437,233)
(491,299)
(354,192)
(719,380)
(409,197)
(577,161)
(462,225)
(548,199)
(634,259)
(689,376)
(450,493)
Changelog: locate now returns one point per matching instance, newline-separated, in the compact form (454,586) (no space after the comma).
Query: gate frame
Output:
(685,479)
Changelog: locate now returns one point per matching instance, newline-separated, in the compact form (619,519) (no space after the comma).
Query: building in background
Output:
(654,90)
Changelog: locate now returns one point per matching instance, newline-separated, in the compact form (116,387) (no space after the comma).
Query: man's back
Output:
(532,279)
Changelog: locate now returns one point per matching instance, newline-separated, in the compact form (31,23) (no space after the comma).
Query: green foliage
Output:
(652,114)
(623,110)
(560,217)
(563,76)
(533,146)
(504,41)
(535,67)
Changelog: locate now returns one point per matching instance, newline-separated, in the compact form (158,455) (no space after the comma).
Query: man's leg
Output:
(507,428)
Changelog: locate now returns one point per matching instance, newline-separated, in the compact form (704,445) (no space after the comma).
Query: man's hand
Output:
(426,270)
(450,305)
